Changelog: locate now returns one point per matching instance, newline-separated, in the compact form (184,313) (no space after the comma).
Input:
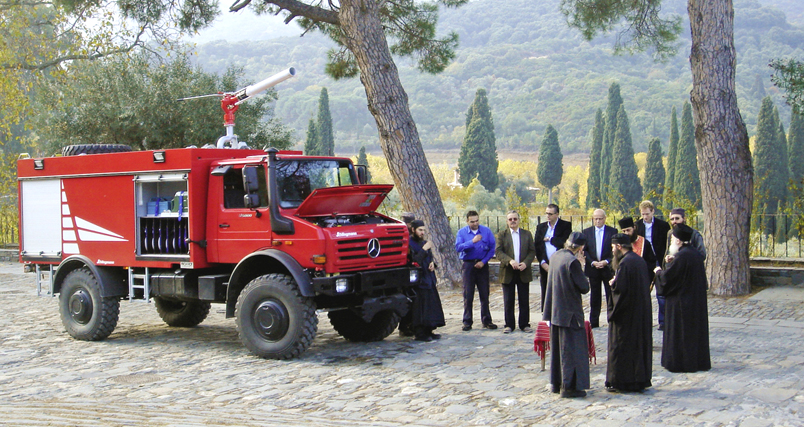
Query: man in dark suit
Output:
(550,237)
(598,262)
(515,252)
(653,229)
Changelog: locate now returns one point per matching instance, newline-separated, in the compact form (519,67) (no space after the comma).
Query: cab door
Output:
(234,229)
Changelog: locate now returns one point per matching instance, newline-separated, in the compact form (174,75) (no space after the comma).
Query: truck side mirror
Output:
(251,185)
(362,173)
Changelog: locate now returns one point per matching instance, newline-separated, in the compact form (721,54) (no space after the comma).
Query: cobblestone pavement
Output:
(147,374)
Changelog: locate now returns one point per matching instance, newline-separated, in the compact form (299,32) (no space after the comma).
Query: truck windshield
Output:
(296,179)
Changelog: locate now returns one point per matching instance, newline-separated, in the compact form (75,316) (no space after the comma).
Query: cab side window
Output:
(233,190)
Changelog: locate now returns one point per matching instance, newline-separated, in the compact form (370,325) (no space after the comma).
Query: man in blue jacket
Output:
(475,245)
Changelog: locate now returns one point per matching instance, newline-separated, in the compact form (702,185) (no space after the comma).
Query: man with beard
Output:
(677,216)
(563,308)
(639,245)
(683,284)
(427,313)
(630,348)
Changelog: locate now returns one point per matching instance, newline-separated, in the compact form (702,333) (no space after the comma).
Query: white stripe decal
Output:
(89,236)
(86,225)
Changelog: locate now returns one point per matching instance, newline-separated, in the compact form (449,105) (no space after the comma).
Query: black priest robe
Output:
(630,358)
(686,326)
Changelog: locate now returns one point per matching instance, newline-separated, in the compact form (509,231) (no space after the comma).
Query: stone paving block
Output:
(773,395)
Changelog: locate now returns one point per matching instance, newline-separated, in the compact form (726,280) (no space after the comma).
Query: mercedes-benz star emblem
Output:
(373,248)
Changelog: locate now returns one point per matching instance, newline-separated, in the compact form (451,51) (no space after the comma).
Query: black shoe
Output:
(611,389)
(573,393)
(489,326)
(555,390)
(661,326)
(425,338)
(466,328)
(405,333)
(435,336)
(593,326)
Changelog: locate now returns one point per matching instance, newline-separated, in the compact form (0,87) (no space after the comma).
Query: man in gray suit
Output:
(563,308)
(516,252)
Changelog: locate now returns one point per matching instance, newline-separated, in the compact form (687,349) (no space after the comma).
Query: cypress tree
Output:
(770,180)
(311,143)
(625,190)
(326,139)
(795,148)
(687,181)
(593,181)
(479,150)
(362,159)
(654,171)
(672,149)
(551,167)
(606,153)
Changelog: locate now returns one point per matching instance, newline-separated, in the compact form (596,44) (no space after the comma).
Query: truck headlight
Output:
(341,285)
(414,275)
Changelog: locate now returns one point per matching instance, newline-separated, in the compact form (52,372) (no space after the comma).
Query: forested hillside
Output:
(536,70)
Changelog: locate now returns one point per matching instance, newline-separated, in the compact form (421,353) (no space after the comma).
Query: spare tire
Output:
(75,150)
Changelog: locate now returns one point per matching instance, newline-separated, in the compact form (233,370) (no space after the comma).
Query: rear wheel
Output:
(185,314)
(84,313)
(274,320)
(352,327)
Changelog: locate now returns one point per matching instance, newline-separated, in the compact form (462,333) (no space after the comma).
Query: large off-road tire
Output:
(75,150)
(274,320)
(184,314)
(352,327)
(84,314)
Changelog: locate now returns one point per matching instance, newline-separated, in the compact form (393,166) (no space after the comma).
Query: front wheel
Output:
(274,320)
(352,327)
(184,314)
(84,313)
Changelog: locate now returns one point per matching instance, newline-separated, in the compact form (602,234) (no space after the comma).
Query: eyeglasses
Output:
(550,213)
(513,219)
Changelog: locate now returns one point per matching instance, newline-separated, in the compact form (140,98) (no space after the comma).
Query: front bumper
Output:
(366,282)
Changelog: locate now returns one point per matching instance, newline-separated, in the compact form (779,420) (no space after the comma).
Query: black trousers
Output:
(522,289)
(543,282)
(475,277)
(595,297)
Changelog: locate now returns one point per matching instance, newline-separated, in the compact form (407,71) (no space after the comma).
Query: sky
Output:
(244,25)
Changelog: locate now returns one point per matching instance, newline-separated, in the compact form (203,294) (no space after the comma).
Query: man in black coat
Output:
(630,346)
(656,232)
(640,246)
(550,237)
(598,262)
(685,347)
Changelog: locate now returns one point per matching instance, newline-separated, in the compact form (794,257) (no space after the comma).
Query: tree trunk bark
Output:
(724,159)
(399,138)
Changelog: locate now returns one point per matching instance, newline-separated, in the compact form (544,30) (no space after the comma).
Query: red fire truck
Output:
(275,236)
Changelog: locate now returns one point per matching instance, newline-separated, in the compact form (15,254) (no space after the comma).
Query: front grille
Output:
(355,252)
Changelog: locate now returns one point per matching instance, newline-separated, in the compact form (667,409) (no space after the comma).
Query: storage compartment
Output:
(162,214)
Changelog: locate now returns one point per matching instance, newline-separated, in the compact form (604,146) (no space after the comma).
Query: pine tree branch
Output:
(297,8)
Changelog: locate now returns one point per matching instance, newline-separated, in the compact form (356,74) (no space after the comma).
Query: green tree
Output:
(607,150)
(720,133)
(795,147)
(770,186)
(129,100)
(362,159)
(625,191)
(687,184)
(311,143)
(324,135)
(478,156)
(593,180)
(788,75)
(672,149)
(654,171)
(551,167)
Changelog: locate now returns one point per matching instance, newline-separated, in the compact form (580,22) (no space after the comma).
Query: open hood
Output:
(349,200)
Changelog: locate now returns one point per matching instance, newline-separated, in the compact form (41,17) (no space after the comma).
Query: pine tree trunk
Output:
(724,159)
(399,138)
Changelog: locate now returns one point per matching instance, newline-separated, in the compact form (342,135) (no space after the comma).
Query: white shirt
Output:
(599,242)
(548,247)
(517,243)
(649,231)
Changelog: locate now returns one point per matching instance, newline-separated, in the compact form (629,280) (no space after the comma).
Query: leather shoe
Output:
(507,330)
(573,393)
(527,329)
(555,390)
(489,326)
(435,336)
(594,326)
(466,328)
(661,326)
